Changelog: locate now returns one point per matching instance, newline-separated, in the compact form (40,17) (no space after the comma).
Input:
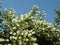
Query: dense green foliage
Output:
(30,28)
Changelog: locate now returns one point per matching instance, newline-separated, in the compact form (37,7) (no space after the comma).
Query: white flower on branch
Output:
(33,39)
(14,27)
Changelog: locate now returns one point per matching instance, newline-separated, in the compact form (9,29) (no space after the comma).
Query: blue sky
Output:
(23,6)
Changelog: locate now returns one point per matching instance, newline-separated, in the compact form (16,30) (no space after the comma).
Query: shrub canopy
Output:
(30,28)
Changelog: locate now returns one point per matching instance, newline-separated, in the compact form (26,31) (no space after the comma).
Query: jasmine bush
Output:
(29,29)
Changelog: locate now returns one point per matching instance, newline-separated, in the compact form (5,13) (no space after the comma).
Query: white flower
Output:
(10,12)
(58,30)
(18,32)
(50,23)
(32,17)
(59,39)
(33,39)
(31,11)
(14,27)
(15,38)
(9,44)
(14,33)
(58,35)
(41,17)
(49,26)
(43,28)
(19,37)
(22,17)
(27,39)
(35,44)
(29,34)
(15,20)
(7,40)
(11,32)
(1,39)
(26,33)
(43,14)
(35,6)
(36,14)
(11,37)
(33,32)
(48,35)
(54,28)
(47,23)
(17,24)
(44,23)
(26,15)
(22,33)
(41,22)
(8,25)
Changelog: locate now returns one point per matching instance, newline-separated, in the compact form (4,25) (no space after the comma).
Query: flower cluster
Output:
(23,37)
(30,29)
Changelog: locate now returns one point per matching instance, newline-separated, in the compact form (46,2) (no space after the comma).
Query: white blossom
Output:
(11,37)
(11,32)
(18,32)
(22,33)
(49,26)
(17,24)
(35,44)
(43,28)
(27,39)
(33,32)
(14,27)
(33,39)
(15,38)
(7,40)
(14,33)
(19,37)
(29,34)
(1,39)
